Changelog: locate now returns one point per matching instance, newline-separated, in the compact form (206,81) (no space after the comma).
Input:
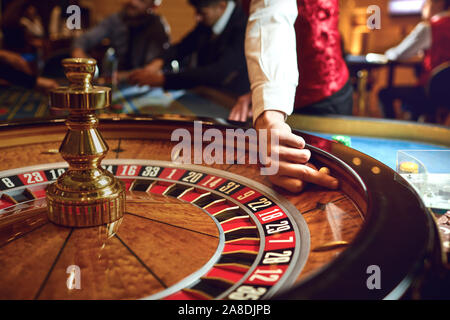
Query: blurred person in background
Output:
(136,33)
(32,23)
(23,33)
(22,27)
(212,54)
(430,38)
(14,70)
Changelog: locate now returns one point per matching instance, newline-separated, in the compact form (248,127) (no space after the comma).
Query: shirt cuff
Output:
(273,97)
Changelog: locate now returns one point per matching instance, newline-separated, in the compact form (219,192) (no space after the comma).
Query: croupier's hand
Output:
(293,167)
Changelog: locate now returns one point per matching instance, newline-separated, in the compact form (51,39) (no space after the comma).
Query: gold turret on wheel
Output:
(85,195)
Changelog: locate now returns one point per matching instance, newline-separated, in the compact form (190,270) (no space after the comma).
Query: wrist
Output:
(268,118)
(156,64)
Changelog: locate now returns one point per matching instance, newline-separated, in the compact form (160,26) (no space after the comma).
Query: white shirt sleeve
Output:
(270,48)
(418,40)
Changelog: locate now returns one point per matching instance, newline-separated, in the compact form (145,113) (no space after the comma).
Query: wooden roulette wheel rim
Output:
(397,234)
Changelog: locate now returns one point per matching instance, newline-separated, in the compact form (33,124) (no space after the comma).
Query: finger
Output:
(290,139)
(134,81)
(291,184)
(325,170)
(141,80)
(132,78)
(136,75)
(233,114)
(293,154)
(239,112)
(243,112)
(305,173)
(123,75)
(132,74)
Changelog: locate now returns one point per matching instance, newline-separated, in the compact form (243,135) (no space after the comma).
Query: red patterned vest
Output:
(439,51)
(322,69)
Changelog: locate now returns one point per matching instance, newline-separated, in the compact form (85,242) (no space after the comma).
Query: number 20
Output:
(193,177)
(275,257)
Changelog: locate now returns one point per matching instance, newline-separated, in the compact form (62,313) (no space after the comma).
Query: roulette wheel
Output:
(207,231)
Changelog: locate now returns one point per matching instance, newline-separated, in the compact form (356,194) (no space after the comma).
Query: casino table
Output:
(19,103)
(210,230)
(378,138)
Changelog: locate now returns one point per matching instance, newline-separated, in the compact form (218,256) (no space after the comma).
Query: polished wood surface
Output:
(333,220)
(158,243)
